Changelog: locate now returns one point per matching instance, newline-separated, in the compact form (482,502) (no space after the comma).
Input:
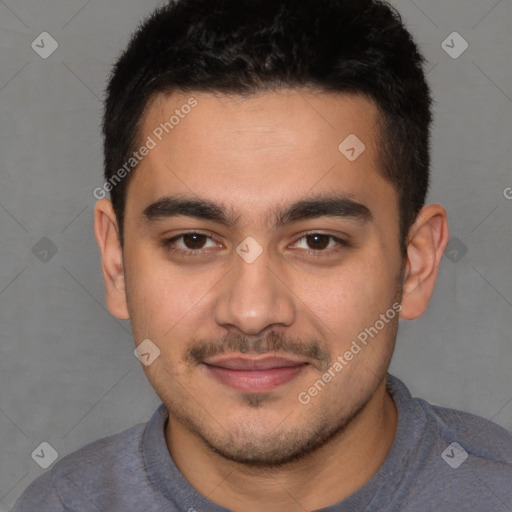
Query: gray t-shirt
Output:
(441,460)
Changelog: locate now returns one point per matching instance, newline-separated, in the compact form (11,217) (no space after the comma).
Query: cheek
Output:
(347,298)
(163,297)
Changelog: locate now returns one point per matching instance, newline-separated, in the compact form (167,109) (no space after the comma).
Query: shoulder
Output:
(40,496)
(79,477)
(481,437)
(456,458)
(94,460)
(472,461)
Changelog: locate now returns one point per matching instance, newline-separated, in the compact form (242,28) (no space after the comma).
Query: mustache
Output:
(200,349)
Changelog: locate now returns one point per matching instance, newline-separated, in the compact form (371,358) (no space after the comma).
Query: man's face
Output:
(308,278)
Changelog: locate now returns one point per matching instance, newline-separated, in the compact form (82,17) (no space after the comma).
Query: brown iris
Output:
(194,241)
(318,241)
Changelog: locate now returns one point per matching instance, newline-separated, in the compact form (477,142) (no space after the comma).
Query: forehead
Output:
(261,149)
(266,120)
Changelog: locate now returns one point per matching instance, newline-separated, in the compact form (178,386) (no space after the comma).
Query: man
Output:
(268,163)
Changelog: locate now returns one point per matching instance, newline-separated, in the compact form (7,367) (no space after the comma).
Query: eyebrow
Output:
(338,206)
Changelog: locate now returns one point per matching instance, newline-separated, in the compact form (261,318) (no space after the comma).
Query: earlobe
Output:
(107,236)
(428,238)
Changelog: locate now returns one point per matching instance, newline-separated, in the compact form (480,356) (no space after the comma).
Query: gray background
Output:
(67,370)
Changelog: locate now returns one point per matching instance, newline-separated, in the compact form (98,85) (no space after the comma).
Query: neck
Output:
(328,475)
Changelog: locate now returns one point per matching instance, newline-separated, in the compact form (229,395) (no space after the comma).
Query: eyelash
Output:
(189,252)
(167,244)
(320,253)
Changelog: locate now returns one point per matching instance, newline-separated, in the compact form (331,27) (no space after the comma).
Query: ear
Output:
(107,235)
(427,241)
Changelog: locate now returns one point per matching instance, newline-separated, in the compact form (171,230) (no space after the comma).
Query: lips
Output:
(241,363)
(255,375)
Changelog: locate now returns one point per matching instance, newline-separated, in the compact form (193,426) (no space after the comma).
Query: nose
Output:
(255,296)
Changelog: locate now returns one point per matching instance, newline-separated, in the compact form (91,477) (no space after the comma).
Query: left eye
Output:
(318,242)
(192,242)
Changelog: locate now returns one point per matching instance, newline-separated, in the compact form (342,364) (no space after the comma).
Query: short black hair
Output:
(251,46)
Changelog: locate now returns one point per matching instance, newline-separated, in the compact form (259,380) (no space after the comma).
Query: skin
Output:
(252,155)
